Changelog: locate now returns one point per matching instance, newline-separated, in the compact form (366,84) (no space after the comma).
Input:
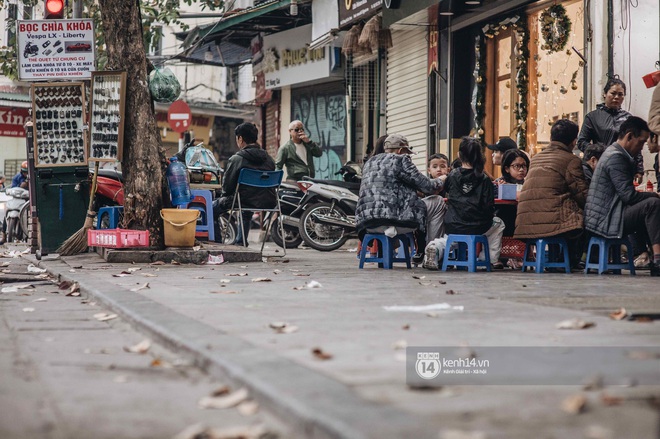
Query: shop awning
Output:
(227,42)
(15,100)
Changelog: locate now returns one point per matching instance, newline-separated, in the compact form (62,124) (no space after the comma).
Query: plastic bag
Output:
(164,86)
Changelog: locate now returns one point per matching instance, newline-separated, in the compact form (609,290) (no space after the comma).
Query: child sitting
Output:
(471,201)
(438,166)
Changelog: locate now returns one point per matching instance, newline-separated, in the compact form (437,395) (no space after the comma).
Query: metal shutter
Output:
(407,89)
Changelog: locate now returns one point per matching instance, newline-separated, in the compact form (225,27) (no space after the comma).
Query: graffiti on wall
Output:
(324,115)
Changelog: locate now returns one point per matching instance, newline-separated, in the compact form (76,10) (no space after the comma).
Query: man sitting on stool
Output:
(614,208)
(250,156)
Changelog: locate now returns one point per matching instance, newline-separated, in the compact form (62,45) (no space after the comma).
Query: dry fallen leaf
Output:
(277,271)
(320,354)
(6,270)
(642,355)
(450,292)
(283,327)
(198,431)
(148,275)
(42,276)
(575,324)
(574,405)
(236,274)
(225,281)
(141,287)
(426,284)
(133,269)
(33,269)
(416,276)
(74,290)
(4,264)
(224,401)
(248,408)
(42,299)
(301,274)
(140,348)
(619,314)
(222,390)
(64,285)
(405,327)
(104,317)
(158,263)
(643,319)
(28,309)
(261,279)
(610,400)
(122,274)
(442,282)
(224,292)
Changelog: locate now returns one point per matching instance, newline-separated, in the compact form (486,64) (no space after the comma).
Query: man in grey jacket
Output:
(614,208)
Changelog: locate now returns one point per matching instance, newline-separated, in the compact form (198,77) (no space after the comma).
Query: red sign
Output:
(12,120)
(433,39)
(179,116)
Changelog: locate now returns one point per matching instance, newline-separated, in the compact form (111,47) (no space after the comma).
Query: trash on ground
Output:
(41,299)
(450,292)
(216,259)
(33,269)
(352,250)
(619,314)
(104,316)
(198,431)
(42,276)
(174,262)
(4,264)
(224,292)
(309,286)
(158,263)
(248,408)
(277,271)
(575,324)
(9,290)
(148,275)
(424,308)
(261,279)
(74,290)
(236,274)
(28,309)
(462,434)
(141,287)
(122,274)
(225,281)
(320,354)
(64,285)
(610,400)
(416,276)
(301,274)
(133,269)
(399,345)
(224,401)
(574,404)
(283,327)
(140,348)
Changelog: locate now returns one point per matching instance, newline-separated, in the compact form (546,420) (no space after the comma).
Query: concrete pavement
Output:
(221,320)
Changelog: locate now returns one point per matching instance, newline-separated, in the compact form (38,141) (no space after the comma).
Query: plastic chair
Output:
(604,246)
(544,259)
(202,201)
(264,180)
(113,212)
(467,254)
(386,249)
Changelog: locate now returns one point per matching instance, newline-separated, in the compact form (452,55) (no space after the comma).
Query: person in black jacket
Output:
(602,125)
(592,154)
(251,156)
(471,200)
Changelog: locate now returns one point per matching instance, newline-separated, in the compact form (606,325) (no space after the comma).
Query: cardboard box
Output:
(507,191)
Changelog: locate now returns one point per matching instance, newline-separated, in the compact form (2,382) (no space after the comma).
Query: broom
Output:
(77,243)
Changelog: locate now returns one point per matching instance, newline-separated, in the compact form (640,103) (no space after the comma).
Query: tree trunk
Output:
(143,163)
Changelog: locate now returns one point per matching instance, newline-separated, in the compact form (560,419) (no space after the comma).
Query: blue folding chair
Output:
(260,179)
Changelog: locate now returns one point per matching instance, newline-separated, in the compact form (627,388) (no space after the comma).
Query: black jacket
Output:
(471,202)
(588,172)
(602,125)
(251,157)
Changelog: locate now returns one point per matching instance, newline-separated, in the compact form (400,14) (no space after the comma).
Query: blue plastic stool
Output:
(604,247)
(386,249)
(203,202)
(466,255)
(544,259)
(113,212)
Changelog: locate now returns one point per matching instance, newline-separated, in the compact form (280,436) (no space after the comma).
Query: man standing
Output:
(552,199)
(499,148)
(614,208)
(298,153)
(388,200)
(251,156)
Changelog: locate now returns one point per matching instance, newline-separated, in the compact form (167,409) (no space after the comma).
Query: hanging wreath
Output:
(555,28)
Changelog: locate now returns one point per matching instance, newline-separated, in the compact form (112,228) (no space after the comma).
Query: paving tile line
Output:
(312,404)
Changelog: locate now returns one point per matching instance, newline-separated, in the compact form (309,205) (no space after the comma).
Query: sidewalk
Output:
(221,320)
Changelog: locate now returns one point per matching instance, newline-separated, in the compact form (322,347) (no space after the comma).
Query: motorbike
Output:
(17,211)
(290,196)
(30,50)
(327,210)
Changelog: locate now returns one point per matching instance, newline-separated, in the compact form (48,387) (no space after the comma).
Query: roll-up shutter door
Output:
(407,89)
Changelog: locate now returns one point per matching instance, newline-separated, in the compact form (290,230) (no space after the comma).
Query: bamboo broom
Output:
(77,243)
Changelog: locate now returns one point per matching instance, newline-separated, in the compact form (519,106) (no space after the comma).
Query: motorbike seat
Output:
(111,173)
(338,183)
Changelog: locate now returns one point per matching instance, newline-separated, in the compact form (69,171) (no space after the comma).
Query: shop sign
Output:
(55,49)
(12,121)
(287,59)
(351,11)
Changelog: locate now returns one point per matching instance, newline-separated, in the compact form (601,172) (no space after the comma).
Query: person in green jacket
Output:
(298,153)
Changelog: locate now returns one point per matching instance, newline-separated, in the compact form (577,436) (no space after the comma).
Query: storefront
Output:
(14,112)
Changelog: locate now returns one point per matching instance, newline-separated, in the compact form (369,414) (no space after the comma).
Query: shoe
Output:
(497,266)
(655,269)
(418,258)
(430,260)
(643,261)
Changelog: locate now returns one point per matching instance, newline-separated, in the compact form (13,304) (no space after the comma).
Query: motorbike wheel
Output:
(24,223)
(12,226)
(227,230)
(291,235)
(321,237)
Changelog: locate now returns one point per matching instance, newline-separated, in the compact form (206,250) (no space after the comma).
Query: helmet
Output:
(24,166)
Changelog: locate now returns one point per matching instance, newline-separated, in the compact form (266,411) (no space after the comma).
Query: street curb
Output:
(230,253)
(304,399)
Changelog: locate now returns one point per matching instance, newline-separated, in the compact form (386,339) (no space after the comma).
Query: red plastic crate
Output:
(117,238)
(512,248)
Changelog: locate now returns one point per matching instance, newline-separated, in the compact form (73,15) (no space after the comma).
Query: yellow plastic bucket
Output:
(179,226)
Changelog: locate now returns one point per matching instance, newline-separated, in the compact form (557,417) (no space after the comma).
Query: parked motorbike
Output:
(17,211)
(290,196)
(327,211)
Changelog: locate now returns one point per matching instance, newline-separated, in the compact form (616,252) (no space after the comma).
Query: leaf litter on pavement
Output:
(283,327)
(223,400)
(575,324)
(144,286)
(140,348)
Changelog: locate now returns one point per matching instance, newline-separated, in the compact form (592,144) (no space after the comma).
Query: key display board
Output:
(108,95)
(59,114)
